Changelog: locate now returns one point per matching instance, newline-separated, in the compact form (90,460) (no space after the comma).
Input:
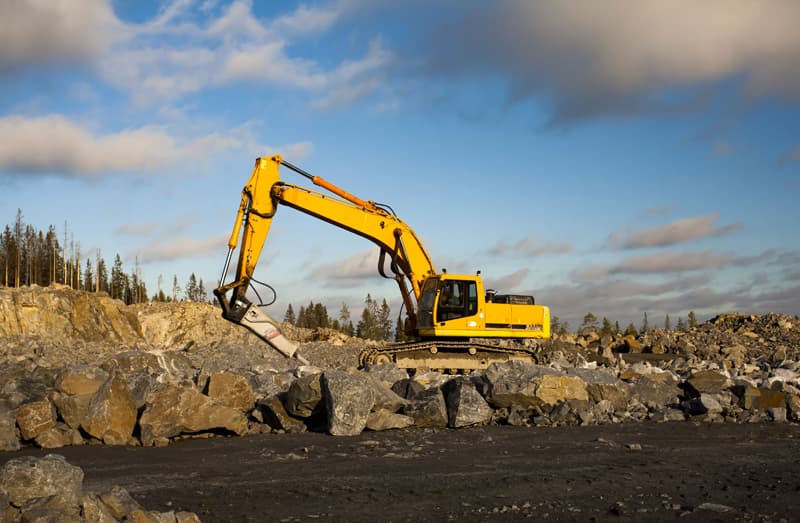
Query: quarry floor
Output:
(627,472)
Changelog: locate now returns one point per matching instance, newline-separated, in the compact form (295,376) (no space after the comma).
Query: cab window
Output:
(457,299)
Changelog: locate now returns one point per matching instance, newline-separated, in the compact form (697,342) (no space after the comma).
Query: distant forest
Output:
(35,257)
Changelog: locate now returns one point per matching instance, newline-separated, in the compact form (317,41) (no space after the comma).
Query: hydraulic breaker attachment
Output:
(266,328)
(253,317)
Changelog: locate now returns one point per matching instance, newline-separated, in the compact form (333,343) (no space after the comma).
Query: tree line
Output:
(36,257)
(606,327)
(375,322)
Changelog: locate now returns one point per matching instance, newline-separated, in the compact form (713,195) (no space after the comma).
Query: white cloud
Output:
(507,283)
(55,145)
(613,56)
(136,229)
(350,271)
(529,246)
(53,31)
(672,262)
(678,231)
(176,248)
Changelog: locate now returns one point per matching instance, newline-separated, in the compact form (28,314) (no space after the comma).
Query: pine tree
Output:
(692,320)
(589,324)
(118,278)
(88,276)
(385,321)
(289,317)
(681,326)
(368,327)
(563,328)
(175,287)
(191,288)
(645,325)
(555,324)
(201,291)
(607,329)
(667,324)
(399,330)
(616,327)
(630,330)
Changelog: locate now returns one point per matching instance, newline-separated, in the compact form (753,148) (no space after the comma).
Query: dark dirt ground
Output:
(629,472)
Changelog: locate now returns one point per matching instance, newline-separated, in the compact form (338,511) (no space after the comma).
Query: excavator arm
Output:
(409,262)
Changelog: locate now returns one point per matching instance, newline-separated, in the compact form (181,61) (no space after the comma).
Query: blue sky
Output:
(617,157)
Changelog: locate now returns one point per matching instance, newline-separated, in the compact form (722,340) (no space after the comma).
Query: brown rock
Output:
(231,390)
(35,417)
(28,478)
(111,416)
(9,439)
(80,379)
(275,416)
(707,381)
(551,389)
(54,438)
(72,409)
(632,345)
(173,410)
(762,399)
(385,420)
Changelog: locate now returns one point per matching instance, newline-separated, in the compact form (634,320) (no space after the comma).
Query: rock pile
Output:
(181,371)
(50,489)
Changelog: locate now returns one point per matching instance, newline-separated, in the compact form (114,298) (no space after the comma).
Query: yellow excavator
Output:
(453,321)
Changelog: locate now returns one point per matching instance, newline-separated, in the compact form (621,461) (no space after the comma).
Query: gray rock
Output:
(304,397)
(428,409)
(385,398)
(512,384)
(111,416)
(173,410)
(465,406)
(348,402)
(408,388)
(777,414)
(388,373)
(655,392)
(27,478)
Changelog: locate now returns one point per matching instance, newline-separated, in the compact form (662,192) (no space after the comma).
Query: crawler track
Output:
(452,355)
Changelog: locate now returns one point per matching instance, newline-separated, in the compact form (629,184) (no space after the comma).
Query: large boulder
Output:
(274,414)
(173,410)
(80,379)
(304,397)
(513,384)
(428,408)
(707,382)
(231,390)
(35,417)
(465,405)
(552,390)
(111,416)
(348,402)
(27,478)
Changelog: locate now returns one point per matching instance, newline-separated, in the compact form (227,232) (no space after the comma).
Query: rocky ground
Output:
(78,368)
